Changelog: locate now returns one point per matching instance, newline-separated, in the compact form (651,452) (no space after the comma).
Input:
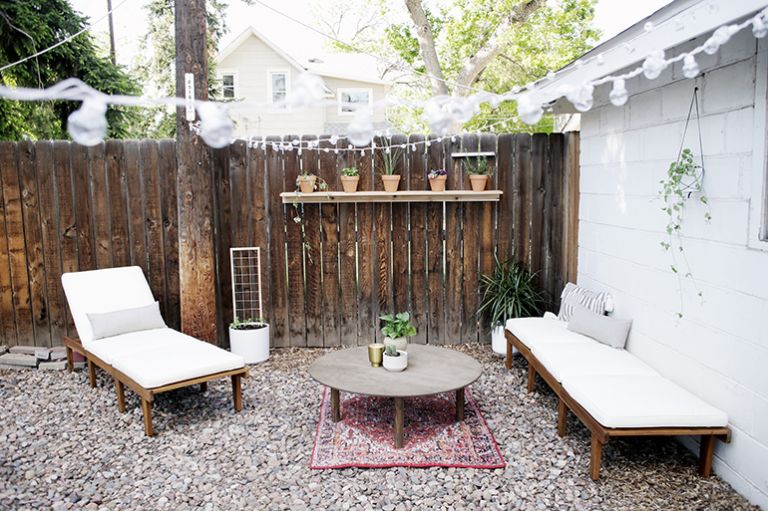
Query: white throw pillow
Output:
(110,324)
(610,331)
(574,295)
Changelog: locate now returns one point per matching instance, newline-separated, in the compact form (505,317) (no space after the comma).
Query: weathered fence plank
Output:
(329,241)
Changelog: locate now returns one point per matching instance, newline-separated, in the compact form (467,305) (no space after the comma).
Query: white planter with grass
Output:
(395,363)
(250,341)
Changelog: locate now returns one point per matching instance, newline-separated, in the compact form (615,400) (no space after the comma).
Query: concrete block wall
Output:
(719,349)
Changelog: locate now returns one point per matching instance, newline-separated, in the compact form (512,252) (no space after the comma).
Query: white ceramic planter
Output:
(401,343)
(499,341)
(252,345)
(396,364)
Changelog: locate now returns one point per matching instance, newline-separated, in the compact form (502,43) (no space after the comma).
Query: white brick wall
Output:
(719,349)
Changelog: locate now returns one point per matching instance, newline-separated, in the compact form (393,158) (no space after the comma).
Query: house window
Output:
(279,85)
(228,90)
(352,99)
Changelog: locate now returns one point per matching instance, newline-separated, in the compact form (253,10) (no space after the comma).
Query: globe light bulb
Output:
(618,95)
(308,90)
(584,99)
(530,112)
(654,64)
(88,124)
(360,131)
(711,46)
(600,60)
(759,29)
(436,116)
(648,27)
(551,76)
(690,66)
(722,35)
(216,127)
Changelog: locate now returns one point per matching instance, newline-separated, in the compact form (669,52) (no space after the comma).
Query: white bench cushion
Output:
(176,358)
(641,401)
(563,360)
(538,331)
(110,349)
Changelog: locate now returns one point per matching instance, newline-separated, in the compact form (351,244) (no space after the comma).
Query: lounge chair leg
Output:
(237,391)
(508,360)
(70,360)
(706,453)
(91,373)
(146,408)
(596,459)
(531,377)
(562,418)
(120,396)
(204,386)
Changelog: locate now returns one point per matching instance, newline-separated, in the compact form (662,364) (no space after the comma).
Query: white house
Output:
(719,348)
(253,68)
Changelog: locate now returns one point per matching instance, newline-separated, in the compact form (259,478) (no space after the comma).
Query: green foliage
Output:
(508,292)
(30,26)
(477,166)
(398,325)
(391,350)
(350,172)
(247,324)
(390,156)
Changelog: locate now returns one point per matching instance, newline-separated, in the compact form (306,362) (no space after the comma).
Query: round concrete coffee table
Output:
(430,370)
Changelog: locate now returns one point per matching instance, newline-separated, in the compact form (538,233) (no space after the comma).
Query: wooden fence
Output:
(327,278)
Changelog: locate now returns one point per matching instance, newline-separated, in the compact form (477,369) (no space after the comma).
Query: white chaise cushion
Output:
(564,360)
(106,290)
(177,358)
(111,349)
(538,331)
(641,401)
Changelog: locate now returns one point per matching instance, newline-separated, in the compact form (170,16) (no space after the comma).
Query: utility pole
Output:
(112,55)
(197,259)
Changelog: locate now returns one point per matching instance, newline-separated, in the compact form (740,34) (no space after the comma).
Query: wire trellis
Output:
(247,305)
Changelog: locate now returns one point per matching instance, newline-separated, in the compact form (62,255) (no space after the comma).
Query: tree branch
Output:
(427,45)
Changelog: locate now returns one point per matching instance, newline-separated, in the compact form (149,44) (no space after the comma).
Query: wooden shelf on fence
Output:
(403,196)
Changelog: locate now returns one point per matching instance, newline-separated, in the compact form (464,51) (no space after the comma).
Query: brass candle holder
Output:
(375,354)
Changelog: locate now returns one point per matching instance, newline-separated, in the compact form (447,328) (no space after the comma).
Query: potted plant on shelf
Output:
(507,292)
(390,155)
(479,171)
(437,179)
(394,360)
(308,183)
(350,176)
(397,329)
(250,339)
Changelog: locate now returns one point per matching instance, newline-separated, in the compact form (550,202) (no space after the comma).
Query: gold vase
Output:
(375,354)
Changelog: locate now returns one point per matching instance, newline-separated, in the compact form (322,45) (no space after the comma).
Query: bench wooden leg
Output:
(562,418)
(204,386)
(146,408)
(120,396)
(91,373)
(237,392)
(706,453)
(70,360)
(531,377)
(596,458)
(508,360)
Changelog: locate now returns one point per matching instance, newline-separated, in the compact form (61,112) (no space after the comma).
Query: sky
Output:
(611,17)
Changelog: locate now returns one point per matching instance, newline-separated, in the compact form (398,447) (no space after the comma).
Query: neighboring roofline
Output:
(252,31)
(664,36)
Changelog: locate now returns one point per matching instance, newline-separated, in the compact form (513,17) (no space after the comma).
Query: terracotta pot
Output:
(391,182)
(307,183)
(438,183)
(478,182)
(349,183)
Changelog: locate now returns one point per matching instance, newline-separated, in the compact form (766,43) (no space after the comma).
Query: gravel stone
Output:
(64,445)
(43,353)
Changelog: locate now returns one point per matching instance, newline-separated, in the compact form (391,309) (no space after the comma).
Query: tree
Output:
(30,26)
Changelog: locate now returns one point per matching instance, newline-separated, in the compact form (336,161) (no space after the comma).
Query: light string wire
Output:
(63,41)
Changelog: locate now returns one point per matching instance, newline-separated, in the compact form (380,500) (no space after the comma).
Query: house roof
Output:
(346,66)
(631,46)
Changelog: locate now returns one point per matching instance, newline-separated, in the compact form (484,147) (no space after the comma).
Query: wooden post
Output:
(562,418)
(197,259)
(596,458)
(335,406)
(399,421)
(706,453)
(460,404)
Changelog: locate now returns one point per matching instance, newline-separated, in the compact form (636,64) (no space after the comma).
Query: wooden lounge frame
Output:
(147,395)
(601,434)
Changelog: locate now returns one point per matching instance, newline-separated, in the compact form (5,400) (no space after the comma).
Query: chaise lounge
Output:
(612,392)
(120,330)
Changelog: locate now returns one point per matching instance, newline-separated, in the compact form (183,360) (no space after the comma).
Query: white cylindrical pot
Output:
(252,345)
(401,343)
(395,364)
(499,341)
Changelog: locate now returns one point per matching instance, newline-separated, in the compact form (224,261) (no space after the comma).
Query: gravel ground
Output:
(63,445)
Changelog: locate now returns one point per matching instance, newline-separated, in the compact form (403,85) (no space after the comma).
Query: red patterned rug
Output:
(433,438)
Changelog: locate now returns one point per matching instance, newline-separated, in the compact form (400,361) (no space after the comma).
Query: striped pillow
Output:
(573,294)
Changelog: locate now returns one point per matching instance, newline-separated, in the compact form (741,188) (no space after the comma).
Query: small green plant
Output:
(684,179)
(350,172)
(508,292)
(390,156)
(247,324)
(398,325)
(478,166)
(320,183)
(391,350)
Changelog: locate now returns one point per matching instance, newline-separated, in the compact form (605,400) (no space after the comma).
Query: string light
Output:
(88,124)
(216,127)
(529,111)
(690,67)
(618,95)
(654,64)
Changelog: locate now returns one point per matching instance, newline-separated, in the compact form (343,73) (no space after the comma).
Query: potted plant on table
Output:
(350,176)
(390,157)
(308,183)
(250,339)
(507,292)
(479,171)
(437,179)
(394,360)
(397,329)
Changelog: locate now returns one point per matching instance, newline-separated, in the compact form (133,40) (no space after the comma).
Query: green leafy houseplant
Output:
(248,324)
(478,166)
(508,292)
(350,172)
(398,325)
(391,350)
